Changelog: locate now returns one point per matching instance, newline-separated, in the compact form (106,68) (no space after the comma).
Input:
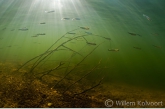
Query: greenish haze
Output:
(143,67)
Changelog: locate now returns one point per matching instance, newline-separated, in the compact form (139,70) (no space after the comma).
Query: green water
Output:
(108,18)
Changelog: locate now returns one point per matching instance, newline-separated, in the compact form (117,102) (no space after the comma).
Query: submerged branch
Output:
(47,51)
(75,66)
(82,77)
(90,88)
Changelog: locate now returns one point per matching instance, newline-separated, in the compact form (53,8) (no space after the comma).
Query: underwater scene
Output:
(82,53)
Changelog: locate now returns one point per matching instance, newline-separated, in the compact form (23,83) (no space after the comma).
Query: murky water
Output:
(136,29)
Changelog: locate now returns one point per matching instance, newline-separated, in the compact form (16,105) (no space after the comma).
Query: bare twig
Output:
(41,59)
(75,67)
(82,77)
(47,51)
(90,88)
(49,71)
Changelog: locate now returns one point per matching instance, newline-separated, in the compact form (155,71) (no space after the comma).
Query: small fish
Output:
(65,19)
(113,50)
(137,48)
(12,29)
(91,43)
(148,18)
(89,33)
(41,34)
(42,23)
(71,33)
(133,34)
(85,28)
(76,19)
(107,38)
(157,46)
(23,29)
(138,34)
(50,11)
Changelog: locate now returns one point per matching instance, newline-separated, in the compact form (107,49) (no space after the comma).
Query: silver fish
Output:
(24,29)
(148,18)
(113,50)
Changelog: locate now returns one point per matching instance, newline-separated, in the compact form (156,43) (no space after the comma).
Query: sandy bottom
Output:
(124,95)
(18,91)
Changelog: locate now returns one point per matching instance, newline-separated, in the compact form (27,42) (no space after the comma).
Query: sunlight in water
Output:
(89,49)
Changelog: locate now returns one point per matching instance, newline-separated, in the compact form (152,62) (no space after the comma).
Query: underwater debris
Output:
(86,90)
(79,39)
(50,11)
(85,28)
(113,50)
(42,23)
(157,46)
(134,34)
(50,104)
(65,18)
(85,39)
(66,85)
(19,93)
(24,29)
(76,19)
(49,52)
(137,48)
(73,42)
(148,18)
(89,43)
